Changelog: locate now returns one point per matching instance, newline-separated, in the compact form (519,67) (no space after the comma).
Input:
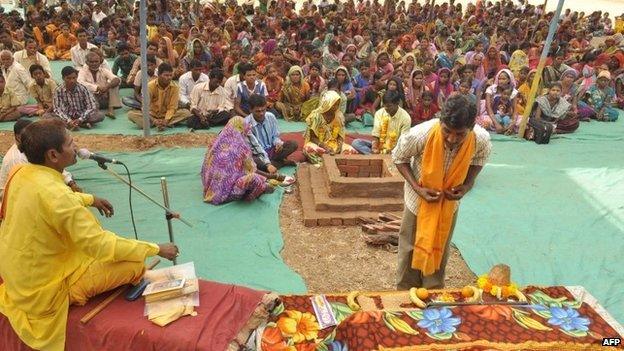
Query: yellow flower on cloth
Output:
(298,326)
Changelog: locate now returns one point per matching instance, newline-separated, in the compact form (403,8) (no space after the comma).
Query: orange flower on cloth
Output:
(298,326)
(306,347)
(491,312)
(272,340)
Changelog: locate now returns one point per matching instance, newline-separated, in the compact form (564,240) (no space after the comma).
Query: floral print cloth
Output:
(552,320)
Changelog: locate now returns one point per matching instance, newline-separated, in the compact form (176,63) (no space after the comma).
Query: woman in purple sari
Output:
(229,171)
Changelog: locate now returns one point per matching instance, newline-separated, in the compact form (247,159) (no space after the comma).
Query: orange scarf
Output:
(435,218)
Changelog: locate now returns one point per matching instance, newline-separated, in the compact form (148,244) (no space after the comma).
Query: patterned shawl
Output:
(229,172)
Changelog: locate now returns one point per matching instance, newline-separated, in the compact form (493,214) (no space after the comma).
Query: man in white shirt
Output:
(454,151)
(101,82)
(30,56)
(79,51)
(188,81)
(135,101)
(230,86)
(210,105)
(17,77)
(14,156)
(98,15)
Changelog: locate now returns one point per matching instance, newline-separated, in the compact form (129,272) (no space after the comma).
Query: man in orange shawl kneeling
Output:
(440,160)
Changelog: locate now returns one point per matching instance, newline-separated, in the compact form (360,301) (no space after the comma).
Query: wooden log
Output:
(102,305)
(369,228)
(364,220)
(388,217)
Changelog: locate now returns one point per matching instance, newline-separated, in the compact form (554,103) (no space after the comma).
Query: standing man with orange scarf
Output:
(440,160)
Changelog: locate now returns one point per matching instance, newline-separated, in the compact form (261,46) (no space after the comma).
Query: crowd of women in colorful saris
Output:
(332,63)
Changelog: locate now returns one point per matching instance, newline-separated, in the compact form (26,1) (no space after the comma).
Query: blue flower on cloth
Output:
(439,321)
(568,319)
(338,346)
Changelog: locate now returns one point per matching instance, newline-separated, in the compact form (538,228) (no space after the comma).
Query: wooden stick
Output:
(102,305)
(389,217)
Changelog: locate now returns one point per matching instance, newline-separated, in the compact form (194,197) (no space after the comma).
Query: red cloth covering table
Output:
(558,318)
(224,310)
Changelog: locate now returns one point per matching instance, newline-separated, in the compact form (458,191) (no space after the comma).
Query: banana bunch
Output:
(351,301)
(476,294)
(415,299)
(520,296)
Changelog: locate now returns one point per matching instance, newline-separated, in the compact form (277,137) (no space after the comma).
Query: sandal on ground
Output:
(288,180)
(110,115)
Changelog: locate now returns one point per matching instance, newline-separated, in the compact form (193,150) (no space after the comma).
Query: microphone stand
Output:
(170,212)
(168,215)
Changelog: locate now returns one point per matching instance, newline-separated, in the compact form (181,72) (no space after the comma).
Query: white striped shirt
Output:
(411,146)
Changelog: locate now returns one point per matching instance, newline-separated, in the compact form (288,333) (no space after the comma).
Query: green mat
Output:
(237,243)
(121,125)
(553,212)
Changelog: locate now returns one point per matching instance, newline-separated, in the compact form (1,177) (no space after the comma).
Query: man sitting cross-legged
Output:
(210,105)
(42,89)
(274,151)
(10,104)
(48,226)
(74,103)
(101,82)
(164,97)
(389,124)
(189,80)
(135,101)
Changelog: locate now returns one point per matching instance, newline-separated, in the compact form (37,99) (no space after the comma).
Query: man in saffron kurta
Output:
(440,160)
(55,252)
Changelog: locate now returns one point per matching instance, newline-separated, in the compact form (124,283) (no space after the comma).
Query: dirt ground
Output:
(336,259)
(330,259)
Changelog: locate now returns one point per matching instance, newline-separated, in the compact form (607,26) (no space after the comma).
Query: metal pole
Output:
(540,69)
(166,208)
(144,92)
(165,191)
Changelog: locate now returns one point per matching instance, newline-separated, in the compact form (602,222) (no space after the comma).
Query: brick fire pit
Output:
(347,187)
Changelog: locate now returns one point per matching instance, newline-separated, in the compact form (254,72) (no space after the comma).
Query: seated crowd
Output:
(389,66)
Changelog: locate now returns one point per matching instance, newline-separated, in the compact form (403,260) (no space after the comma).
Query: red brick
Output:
(376,163)
(363,174)
(358,162)
(324,221)
(341,161)
(343,174)
(375,174)
(349,169)
(336,221)
(310,222)
(349,221)
(352,174)
(368,169)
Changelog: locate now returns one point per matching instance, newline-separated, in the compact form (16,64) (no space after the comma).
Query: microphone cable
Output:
(136,236)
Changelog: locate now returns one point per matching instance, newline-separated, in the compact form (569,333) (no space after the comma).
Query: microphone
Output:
(86,154)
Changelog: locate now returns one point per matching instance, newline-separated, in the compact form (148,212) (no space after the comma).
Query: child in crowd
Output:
(425,110)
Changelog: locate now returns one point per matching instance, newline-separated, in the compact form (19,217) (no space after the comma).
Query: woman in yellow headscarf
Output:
(326,132)
(518,60)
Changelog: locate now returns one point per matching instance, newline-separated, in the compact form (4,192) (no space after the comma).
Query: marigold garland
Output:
(496,290)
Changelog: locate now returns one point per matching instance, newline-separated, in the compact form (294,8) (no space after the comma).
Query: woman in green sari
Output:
(295,92)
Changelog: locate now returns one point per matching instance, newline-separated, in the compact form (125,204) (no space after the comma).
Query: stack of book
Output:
(170,289)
